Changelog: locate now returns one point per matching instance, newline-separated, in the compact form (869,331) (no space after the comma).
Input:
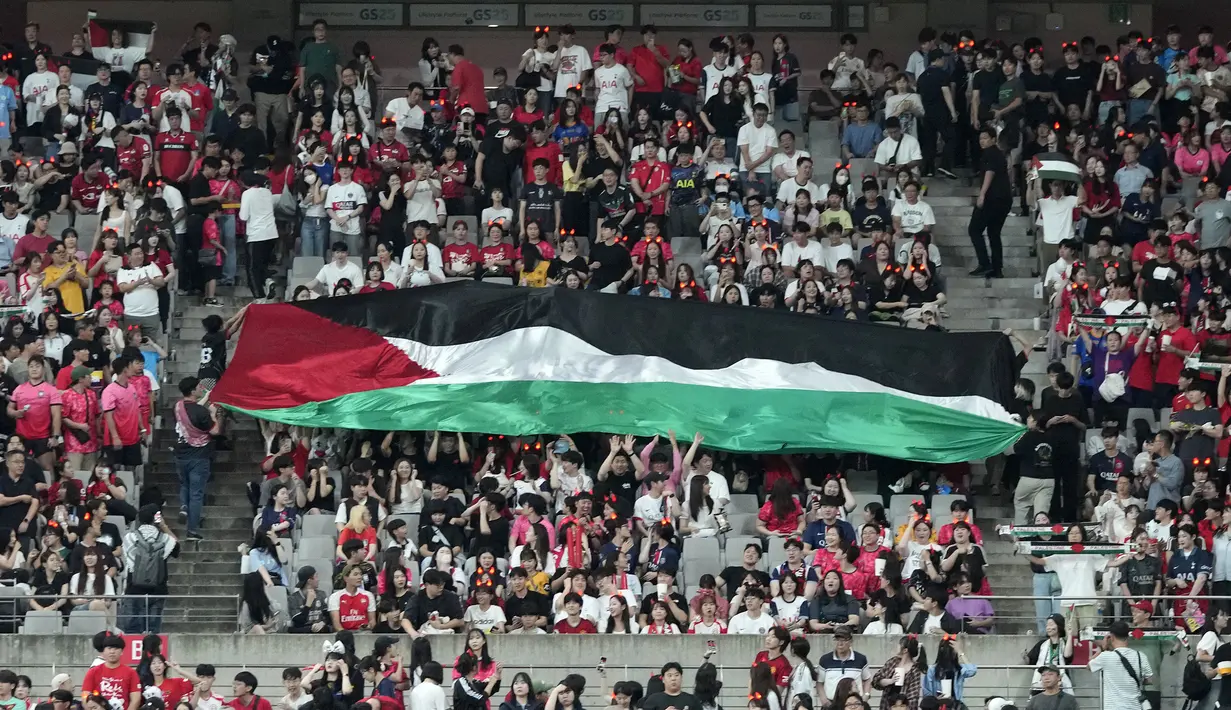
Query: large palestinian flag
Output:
(486,358)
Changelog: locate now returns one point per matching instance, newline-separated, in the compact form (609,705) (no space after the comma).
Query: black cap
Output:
(305,573)
(871,183)
(935,54)
(230,95)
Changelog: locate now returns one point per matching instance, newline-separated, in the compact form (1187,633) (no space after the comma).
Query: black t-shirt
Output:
(916,297)
(200,418)
(213,355)
(281,74)
(647,603)
(12,515)
(734,577)
(451,470)
(930,85)
(498,165)
(1065,438)
(1140,575)
(662,701)
(992,160)
(724,116)
(497,541)
(594,169)
(533,603)
(862,215)
(1036,109)
(422,606)
(50,193)
(1106,469)
(1160,281)
(198,187)
(623,487)
(113,97)
(541,201)
(987,83)
(615,204)
(613,262)
(1072,85)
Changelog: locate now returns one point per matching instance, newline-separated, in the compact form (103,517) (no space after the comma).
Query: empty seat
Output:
(86,622)
(306,266)
(702,555)
(43,622)
(318,526)
(742,523)
(1135,413)
(862,499)
(743,503)
(316,548)
(775,553)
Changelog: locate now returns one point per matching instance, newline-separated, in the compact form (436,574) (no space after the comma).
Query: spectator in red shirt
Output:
(541,147)
(387,153)
(496,256)
(202,99)
(175,151)
(613,35)
(353,608)
(244,687)
(35,242)
(460,256)
(132,153)
(1172,344)
(650,180)
(689,67)
(466,84)
(647,63)
(112,679)
(573,623)
(88,186)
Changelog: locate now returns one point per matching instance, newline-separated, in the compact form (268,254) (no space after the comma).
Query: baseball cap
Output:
(79,372)
(230,95)
(1143,605)
(842,632)
(655,477)
(305,573)
(467,111)
(68,147)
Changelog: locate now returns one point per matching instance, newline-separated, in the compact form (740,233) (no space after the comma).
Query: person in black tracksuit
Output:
(940,114)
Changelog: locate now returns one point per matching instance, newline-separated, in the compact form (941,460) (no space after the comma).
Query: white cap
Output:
(60,679)
(997,703)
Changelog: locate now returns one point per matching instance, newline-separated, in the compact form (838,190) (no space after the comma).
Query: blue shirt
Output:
(1130,178)
(1133,232)
(932,686)
(575,133)
(862,140)
(8,102)
(814,534)
(1084,356)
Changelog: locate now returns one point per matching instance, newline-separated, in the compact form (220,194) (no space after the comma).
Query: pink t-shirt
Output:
(36,424)
(521,524)
(123,403)
(1192,163)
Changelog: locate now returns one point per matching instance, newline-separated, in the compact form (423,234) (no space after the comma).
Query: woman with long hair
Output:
(1054,649)
(903,673)
(521,694)
(948,675)
(781,515)
(619,620)
(763,685)
(257,614)
(93,579)
(698,519)
(405,495)
(804,674)
(266,557)
(723,114)
(834,606)
(476,648)
(1102,203)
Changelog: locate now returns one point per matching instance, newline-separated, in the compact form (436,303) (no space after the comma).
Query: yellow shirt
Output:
(569,185)
(539,582)
(538,277)
(71,294)
(842,217)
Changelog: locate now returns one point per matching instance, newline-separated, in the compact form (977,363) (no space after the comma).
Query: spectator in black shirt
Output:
(435,605)
(1108,465)
(1064,418)
(610,263)
(499,156)
(273,75)
(992,206)
(201,199)
(939,114)
(245,137)
(19,499)
(1072,83)
(672,696)
(112,95)
(525,609)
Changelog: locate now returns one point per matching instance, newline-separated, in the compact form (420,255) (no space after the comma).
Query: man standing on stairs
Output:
(935,87)
(991,207)
(195,428)
(146,550)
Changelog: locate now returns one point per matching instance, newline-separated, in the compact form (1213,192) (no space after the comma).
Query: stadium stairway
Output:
(209,569)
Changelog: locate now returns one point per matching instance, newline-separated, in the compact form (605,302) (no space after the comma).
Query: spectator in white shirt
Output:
(898,150)
(758,142)
(428,695)
(406,112)
(846,66)
(755,619)
(336,270)
(800,249)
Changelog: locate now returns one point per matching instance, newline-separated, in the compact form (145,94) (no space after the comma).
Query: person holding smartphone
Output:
(146,551)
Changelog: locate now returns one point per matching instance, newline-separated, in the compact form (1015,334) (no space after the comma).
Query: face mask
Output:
(310,178)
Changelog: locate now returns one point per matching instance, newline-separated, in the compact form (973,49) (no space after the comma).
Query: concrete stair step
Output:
(1009,251)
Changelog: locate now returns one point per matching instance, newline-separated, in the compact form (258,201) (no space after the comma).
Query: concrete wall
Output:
(549,658)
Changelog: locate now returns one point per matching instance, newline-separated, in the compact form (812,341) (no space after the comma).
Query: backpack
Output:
(1194,683)
(149,568)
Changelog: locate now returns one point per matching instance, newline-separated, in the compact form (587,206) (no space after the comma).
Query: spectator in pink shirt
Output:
(657,463)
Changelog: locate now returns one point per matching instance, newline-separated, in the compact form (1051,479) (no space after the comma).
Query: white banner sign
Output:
(554,16)
(810,16)
(725,16)
(345,14)
(461,15)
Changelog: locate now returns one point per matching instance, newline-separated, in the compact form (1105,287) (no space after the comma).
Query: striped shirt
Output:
(1120,690)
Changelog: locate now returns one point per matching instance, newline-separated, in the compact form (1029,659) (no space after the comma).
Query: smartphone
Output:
(711,647)
(602,664)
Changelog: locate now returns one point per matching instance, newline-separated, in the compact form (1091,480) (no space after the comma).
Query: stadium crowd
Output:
(641,170)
